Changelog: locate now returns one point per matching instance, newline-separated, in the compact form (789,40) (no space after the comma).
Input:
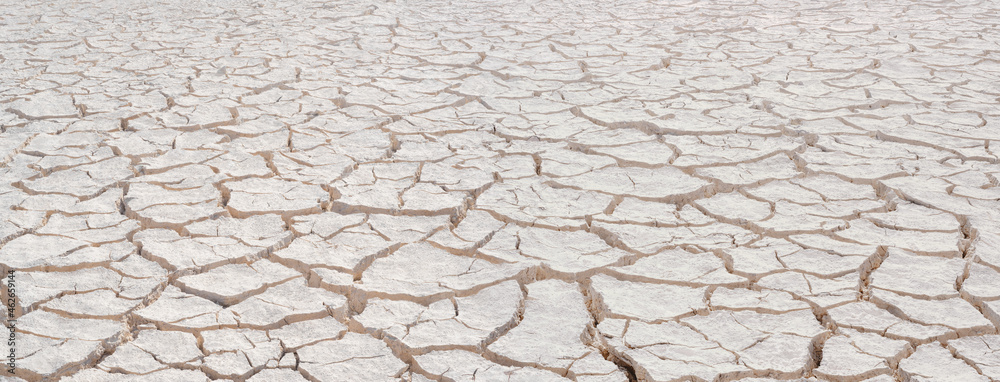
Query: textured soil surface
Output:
(577,190)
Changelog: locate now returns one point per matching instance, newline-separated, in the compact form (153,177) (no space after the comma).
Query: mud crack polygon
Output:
(565,190)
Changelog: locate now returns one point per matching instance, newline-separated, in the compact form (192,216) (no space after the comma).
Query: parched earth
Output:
(575,190)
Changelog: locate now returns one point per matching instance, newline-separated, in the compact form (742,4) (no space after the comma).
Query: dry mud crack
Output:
(565,190)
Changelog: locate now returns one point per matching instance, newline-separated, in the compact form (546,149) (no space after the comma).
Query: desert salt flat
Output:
(575,190)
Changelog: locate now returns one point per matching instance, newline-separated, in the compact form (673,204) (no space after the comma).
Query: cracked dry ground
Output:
(501,190)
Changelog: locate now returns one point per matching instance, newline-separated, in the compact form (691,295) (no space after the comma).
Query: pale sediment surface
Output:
(574,190)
